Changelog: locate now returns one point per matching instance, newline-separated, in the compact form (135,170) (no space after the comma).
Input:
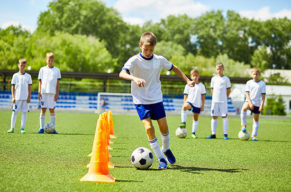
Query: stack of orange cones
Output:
(110,121)
(110,165)
(98,170)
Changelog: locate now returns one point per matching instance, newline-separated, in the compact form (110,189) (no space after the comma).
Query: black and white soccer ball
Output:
(142,158)
(244,135)
(181,132)
(49,128)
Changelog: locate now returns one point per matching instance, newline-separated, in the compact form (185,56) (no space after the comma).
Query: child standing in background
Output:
(21,92)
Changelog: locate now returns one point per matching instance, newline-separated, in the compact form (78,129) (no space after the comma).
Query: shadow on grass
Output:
(150,169)
(120,180)
(62,134)
(196,170)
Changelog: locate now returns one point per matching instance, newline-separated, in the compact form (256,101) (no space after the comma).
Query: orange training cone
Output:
(110,120)
(107,130)
(107,138)
(98,171)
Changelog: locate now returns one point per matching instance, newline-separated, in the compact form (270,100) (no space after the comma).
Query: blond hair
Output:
(194,71)
(148,38)
(220,65)
(22,60)
(50,55)
(256,70)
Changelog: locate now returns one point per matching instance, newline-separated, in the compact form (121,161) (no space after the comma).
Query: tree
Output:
(261,59)
(91,18)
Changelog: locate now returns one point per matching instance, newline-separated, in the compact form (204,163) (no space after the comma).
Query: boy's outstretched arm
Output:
(125,75)
(183,76)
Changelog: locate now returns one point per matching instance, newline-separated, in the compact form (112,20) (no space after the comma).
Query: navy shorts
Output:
(194,109)
(155,111)
(256,110)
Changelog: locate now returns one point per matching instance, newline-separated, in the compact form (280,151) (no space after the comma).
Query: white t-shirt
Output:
(149,70)
(21,83)
(49,78)
(194,94)
(256,89)
(220,86)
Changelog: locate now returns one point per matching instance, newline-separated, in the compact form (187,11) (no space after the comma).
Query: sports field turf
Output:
(34,162)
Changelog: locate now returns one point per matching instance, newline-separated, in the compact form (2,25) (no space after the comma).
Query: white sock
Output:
(255,128)
(23,120)
(213,126)
(225,125)
(165,142)
(243,117)
(42,121)
(194,126)
(183,116)
(53,120)
(156,148)
(13,119)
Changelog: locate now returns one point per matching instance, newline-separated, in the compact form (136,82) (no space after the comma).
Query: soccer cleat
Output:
(41,131)
(163,164)
(22,131)
(225,137)
(211,137)
(182,125)
(254,138)
(55,132)
(171,158)
(194,135)
(10,130)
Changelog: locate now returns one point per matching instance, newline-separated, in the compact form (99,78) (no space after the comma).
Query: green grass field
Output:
(34,162)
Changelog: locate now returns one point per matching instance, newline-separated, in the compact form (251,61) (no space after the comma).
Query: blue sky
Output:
(26,12)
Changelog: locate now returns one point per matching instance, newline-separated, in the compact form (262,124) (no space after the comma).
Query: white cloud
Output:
(138,12)
(265,14)
(16,23)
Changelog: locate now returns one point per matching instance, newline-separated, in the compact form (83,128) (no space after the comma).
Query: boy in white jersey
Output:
(220,90)
(48,90)
(143,70)
(255,99)
(21,92)
(194,99)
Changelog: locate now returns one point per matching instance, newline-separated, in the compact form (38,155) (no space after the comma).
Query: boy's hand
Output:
(191,83)
(39,96)
(13,100)
(202,108)
(139,82)
(28,100)
(261,108)
(56,97)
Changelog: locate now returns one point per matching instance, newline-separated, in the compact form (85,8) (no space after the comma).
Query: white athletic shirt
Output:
(21,83)
(220,86)
(149,70)
(49,78)
(256,89)
(194,94)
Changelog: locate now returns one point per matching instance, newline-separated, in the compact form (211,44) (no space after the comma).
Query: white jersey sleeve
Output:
(203,90)
(187,90)
(166,64)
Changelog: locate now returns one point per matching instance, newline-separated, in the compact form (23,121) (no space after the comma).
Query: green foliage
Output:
(168,49)
(275,106)
(77,53)
(91,18)
(232,68)
(276,79)
(261,59)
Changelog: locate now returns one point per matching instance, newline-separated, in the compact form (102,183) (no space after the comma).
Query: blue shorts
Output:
(256,110)
(194,109)
(155,111)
